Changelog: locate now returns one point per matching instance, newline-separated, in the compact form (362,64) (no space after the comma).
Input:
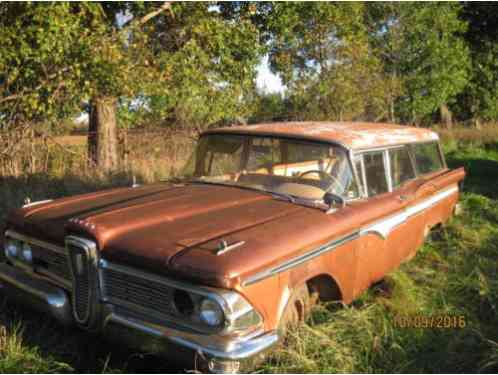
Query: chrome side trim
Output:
(300,259)
(385,226)
(382,228)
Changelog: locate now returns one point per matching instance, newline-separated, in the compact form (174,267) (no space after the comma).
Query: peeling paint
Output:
(353,135)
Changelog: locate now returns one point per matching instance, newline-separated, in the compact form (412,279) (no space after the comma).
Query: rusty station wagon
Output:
(213,267)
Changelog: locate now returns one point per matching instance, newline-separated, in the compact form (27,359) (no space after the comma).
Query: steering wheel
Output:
(324,176)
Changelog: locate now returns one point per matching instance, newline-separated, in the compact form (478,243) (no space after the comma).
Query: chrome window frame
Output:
(362,173)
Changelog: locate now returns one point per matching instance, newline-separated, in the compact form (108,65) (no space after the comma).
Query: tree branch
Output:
(164,7)
(148,17)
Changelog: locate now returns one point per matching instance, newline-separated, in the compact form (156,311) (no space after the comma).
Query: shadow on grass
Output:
(68,349)
(482,175)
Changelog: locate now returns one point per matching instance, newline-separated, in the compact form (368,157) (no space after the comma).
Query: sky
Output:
(266,81)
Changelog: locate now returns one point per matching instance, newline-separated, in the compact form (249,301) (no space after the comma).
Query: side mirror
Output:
(330,199)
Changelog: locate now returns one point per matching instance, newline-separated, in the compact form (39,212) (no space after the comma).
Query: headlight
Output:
(12,248)
(211,313)
(26,253)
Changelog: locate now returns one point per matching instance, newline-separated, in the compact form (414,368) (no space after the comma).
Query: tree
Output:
(321,51)
(188,62)
(58,56)
(212,57)
(479,100)
(422,51)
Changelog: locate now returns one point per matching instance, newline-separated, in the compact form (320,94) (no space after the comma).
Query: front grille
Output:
(51,261)
(123,288)
(81,282)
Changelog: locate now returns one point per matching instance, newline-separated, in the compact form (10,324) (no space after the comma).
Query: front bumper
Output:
(44,296)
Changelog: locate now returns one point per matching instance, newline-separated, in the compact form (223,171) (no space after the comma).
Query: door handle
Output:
(403,197)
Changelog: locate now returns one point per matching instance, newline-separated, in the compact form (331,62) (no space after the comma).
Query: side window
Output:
(375,173)
(401,166)
(427,157)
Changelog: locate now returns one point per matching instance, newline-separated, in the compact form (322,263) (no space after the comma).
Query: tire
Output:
(296,311)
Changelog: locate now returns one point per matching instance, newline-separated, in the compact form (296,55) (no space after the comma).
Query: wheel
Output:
(296,310)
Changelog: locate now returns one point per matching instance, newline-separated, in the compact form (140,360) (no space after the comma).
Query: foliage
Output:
(480,98)
(212,60)
(195,63)
(189,62)
(270,107)
(321,51)
(422,53)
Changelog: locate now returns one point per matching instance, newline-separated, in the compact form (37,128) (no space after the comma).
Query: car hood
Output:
(169,229)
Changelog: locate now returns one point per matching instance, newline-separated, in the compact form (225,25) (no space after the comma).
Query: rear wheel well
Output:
(324,288)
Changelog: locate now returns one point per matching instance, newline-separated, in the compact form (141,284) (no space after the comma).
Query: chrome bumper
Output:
(46,297)
(38,294)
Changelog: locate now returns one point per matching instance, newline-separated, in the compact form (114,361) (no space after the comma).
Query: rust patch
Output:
(352,135)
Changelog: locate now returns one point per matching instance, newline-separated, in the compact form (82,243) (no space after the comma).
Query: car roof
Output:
(352,135)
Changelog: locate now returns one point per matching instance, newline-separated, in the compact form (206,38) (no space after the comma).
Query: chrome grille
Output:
(79,263)
(51,261)
(126,289)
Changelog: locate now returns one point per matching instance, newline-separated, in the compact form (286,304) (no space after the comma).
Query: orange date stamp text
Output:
(430,321)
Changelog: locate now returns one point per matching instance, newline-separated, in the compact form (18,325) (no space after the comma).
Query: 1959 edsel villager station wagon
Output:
(214,266)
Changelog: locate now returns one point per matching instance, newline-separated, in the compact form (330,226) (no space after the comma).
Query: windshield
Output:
(289,167)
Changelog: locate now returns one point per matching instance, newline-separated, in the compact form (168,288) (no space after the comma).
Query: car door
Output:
(386,236)
(371,257)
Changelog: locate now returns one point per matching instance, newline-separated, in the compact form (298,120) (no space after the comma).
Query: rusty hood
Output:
(167,229)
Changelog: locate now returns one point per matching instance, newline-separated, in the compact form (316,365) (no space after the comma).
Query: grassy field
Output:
(455,274)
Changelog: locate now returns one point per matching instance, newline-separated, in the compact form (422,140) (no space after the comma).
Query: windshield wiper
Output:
(289,197)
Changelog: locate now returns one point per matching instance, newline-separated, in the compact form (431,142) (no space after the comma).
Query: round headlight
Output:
(211,313)
(12,248)
(26,253)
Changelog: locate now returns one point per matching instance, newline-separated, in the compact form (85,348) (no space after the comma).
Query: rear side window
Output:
(427,157)
(375,173)
(401,166)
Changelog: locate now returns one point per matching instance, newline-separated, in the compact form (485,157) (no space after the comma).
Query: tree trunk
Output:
(102,134)
(446,117)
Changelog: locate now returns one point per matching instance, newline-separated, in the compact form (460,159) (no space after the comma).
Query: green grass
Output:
(453,274)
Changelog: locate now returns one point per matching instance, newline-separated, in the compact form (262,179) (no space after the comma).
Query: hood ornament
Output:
(29,203)
(224,247)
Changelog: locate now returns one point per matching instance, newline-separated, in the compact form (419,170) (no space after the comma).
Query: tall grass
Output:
(455,273)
